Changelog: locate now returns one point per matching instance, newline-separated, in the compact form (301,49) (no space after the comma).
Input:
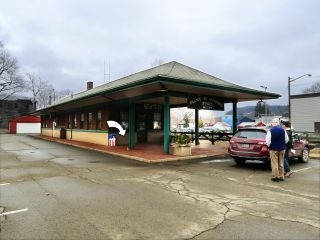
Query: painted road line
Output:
(302,169)
(3,184)
(12,212)
(217,161)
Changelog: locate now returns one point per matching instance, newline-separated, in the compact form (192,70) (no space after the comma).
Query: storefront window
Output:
(89,120)
(99,120)
(70,121)
(156,120)
(82,120)
(60,121)
(75,123)
(124,120)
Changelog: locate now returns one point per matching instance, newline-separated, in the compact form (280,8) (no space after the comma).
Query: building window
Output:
(82,120)
(60,121)
(156,120)
(99,120)
(70,121)
(75,122)
(89,120)
(124,120)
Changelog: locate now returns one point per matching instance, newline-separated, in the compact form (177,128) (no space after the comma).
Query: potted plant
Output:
(182,145)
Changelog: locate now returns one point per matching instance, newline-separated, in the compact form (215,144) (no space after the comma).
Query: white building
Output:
(305,112)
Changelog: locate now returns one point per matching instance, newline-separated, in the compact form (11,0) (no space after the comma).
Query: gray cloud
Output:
(249,42)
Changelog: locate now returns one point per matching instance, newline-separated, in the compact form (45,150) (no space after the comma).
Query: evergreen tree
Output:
(200,123)
(186,120)
(261,109)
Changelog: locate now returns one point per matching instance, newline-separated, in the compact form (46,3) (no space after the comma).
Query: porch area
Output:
(149,153)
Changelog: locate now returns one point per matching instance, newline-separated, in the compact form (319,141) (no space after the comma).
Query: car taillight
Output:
(262,143)
(232,141)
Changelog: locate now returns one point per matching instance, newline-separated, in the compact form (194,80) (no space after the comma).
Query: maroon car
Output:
(250,144)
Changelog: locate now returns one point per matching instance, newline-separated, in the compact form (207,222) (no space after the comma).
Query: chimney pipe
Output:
(89,85)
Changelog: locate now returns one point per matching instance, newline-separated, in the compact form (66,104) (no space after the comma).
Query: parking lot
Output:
(53,191)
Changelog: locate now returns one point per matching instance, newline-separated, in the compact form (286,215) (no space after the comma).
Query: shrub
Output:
(182,139)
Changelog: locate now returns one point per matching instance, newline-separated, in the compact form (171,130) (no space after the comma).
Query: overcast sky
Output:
(247,42)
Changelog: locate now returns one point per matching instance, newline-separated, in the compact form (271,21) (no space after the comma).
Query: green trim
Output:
(196,123)
(87,130)
(234,117)
(132,116)
(166,129)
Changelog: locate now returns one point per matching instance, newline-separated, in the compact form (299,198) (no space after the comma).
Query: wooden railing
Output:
(212,136)
(311,137)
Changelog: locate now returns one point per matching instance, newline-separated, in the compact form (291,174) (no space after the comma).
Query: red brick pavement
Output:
(149,152)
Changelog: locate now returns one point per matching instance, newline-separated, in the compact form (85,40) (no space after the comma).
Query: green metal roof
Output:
(169,72)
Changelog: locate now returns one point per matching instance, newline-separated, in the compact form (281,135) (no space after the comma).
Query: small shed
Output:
(25,124)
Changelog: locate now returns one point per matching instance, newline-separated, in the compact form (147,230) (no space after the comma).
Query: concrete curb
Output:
(162,160)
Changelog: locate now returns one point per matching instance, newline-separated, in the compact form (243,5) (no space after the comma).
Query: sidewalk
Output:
(150,153)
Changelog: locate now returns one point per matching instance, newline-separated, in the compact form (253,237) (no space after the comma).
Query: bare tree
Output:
(46,95)
(62,93)
(179,116)
(10,80)
(43,93)
(315,88)
(34,84)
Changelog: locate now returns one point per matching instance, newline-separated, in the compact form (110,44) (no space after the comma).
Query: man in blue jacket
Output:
(276,140)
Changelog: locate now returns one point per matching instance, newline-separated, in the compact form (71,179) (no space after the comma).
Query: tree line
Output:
(13,82)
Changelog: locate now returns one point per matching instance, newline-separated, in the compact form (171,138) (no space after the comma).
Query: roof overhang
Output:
(151,90)
(173,78)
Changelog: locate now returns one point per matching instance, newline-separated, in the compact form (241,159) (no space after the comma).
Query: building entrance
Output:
(142,128)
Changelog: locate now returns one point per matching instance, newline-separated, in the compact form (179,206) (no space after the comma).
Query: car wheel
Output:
(240,161)
(305,155)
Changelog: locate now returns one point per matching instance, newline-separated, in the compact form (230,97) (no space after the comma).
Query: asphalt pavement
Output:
(53,191)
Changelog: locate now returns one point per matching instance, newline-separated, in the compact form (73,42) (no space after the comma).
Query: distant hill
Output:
(281,110)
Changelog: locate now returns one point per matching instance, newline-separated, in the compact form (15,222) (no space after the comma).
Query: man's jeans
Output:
(286,161)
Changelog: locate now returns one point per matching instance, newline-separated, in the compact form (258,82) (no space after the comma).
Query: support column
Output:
(132,124)
(234,116)
(166,124)
(196,127)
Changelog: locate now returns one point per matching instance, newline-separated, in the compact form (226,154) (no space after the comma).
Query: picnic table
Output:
(212,136)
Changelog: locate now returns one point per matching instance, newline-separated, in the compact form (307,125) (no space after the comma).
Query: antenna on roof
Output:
(104,71)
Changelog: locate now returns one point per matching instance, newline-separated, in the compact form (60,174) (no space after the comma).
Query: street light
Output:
(290,80)
(265,104)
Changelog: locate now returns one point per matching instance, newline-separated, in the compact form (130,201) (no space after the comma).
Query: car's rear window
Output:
(251,134)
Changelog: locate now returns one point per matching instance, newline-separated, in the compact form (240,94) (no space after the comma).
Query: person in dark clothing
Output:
(276,140)
(286,126)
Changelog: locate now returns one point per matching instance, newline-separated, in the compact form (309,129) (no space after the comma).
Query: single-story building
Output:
(141,104)
(25,124)
(305,113)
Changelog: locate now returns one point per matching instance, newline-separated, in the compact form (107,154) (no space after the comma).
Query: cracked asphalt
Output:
(73,193)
